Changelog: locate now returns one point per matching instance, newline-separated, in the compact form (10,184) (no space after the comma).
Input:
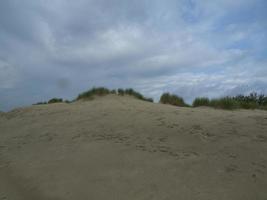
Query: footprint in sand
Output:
(198,130)
(259,168)
(260,138)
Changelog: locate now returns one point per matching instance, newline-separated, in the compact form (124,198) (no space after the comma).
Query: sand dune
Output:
(122,148)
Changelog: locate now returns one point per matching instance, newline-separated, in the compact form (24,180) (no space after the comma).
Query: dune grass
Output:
(251,101)
(201,101)
(224,103)
(132,92)
(55,100)
(40,103)
(172,99)
(101,91)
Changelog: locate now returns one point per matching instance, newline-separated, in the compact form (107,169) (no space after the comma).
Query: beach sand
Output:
(121,148)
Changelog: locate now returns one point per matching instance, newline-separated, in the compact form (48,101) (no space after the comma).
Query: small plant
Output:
(172,99)
(201,101)
(55,100)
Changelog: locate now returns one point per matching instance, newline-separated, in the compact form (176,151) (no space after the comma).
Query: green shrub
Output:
(104,91)
(167,98)
(132,92)
(55,100)
(100,91)
(201,101)
(247,105)
(252,101)
(224,103)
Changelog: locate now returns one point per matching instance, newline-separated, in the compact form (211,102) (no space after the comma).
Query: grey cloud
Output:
(60,48)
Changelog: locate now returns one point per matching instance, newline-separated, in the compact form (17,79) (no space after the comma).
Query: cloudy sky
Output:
(188,47)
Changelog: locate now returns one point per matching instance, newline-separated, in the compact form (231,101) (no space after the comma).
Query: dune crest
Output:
(118,147)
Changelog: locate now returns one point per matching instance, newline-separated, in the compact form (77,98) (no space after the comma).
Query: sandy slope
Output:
(121,148)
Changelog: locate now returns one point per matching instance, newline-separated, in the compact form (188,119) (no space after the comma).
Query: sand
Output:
(120,148)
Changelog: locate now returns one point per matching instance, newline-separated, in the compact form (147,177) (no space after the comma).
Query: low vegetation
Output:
(224,103)
(172,99)
(201,101)
(251,101)
(133,93)
(40,103)
(101,91)
(55,100)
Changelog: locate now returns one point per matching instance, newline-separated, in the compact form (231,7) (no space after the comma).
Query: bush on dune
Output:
(55,100)
(201,101)
(100,91)
(132,92)
(224,103)
(251,101)
(172,99)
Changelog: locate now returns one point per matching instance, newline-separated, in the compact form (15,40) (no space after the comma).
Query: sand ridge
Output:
(122,148)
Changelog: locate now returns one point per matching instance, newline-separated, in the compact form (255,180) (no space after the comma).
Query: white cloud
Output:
(191,49)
